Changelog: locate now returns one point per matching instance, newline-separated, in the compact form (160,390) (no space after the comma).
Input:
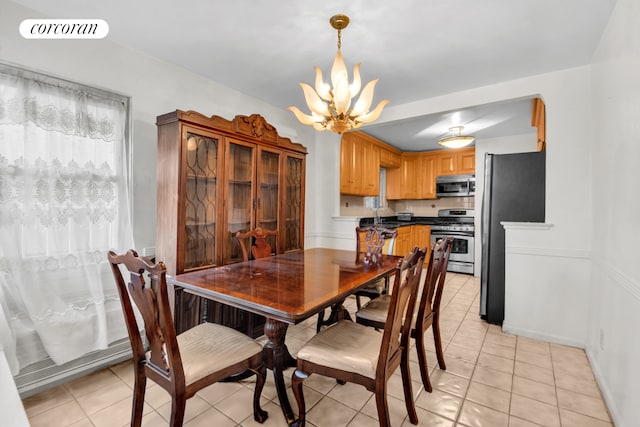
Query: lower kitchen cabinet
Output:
(410,236)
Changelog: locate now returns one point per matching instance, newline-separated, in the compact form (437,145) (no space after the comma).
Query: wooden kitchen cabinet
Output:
(402,182)
(410,236)
(403,241)
(456,161)
(389,159)
(416,176)
(420,236)
(216,177)
(359,166)
(426,176)
(466,161)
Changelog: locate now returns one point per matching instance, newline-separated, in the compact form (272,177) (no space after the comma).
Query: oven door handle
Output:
(452,233)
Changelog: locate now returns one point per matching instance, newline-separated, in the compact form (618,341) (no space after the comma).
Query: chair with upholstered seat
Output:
(371,243)
(181,364)
(354,353)
(426,314)
(258,242)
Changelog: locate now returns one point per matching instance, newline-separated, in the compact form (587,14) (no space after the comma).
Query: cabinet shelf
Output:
(196,223)
(203,177)
(240,182)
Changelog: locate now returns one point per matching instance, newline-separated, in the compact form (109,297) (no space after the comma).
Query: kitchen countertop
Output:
(392,221)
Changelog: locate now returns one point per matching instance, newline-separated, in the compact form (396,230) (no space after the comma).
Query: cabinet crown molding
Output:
(254,126)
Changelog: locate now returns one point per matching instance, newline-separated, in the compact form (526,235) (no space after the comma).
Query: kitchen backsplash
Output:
(354,206)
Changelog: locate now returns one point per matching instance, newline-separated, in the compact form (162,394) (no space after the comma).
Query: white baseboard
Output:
(537,335)
(45,374)
(604,389)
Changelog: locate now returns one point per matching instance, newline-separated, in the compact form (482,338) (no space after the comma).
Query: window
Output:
(64,202)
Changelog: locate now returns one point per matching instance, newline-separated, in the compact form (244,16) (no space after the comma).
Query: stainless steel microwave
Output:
(456,186)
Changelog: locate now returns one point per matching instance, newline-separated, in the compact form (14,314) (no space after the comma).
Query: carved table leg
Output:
(277,358)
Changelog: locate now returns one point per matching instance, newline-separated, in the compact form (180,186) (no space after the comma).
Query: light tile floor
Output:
(492,379)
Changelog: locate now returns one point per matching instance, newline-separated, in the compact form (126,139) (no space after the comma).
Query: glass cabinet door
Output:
(199,238)
(294,178)
(240,202)
(268,193)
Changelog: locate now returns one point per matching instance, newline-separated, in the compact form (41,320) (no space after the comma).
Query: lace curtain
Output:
(64,203)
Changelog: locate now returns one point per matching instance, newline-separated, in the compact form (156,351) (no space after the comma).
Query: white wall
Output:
(613,342)
(155,87)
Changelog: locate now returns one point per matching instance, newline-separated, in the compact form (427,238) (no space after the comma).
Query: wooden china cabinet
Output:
(217,177)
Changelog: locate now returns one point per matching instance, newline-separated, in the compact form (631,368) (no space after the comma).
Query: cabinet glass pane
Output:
(269,188)
(293,204)
(239,198)
(200,201)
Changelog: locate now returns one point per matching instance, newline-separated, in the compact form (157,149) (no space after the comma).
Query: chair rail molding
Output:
(548,252)
(619,278)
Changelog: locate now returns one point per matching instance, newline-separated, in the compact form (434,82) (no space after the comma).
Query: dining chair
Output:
(350,352)
(181,364)
(427,312)
(370,244)
(257,240)
(260,247)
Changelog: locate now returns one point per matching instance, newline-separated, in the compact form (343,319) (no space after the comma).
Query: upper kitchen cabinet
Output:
(359,166)
(389,159)
(426,176)
(538,119)
(416,176)
(402,182)
(361,157)
(455,161)
(217,177)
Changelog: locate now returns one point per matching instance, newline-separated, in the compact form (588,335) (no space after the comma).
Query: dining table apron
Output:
(286,289)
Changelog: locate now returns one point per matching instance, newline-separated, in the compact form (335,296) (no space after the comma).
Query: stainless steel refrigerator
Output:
(514,190)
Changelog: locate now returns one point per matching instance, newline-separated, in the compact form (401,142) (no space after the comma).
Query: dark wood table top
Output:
(288,287)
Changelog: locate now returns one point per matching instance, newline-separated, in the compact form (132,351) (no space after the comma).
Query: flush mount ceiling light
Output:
(330,107)
(456,140)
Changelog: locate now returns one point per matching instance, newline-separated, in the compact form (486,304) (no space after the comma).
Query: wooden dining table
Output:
(286,289)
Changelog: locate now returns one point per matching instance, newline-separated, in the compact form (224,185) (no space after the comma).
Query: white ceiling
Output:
(417,48)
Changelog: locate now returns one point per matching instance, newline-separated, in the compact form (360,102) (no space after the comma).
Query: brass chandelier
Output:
(331,107)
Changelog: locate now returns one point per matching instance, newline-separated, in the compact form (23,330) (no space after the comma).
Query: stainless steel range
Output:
(457,223)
